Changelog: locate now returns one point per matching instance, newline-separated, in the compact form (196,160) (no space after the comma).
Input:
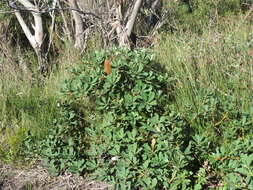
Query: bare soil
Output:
(37,178)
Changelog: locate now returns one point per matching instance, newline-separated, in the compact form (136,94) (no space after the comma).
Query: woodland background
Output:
(175,113)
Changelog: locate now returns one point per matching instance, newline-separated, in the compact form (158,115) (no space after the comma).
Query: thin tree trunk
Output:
(66,28)
(79,26)
(132,19)
(36,39)
(124,32)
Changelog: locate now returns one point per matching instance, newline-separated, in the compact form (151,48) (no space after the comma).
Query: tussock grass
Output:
(218,61)
(28,107)
(24,106)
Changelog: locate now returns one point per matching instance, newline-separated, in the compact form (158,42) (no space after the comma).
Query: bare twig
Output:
(45,9)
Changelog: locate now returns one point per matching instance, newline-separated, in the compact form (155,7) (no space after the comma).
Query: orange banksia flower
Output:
(107,67)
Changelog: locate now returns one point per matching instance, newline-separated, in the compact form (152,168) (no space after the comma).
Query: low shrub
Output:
(117,127)
(125,128)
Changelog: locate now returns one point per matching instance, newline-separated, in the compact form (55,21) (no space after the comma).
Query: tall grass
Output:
(217,62)
(28,107)
(24,106)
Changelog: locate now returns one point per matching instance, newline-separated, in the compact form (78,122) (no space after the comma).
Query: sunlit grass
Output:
(28,106)
(218,61)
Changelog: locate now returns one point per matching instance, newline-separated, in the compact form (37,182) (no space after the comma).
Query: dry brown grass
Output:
(37,178)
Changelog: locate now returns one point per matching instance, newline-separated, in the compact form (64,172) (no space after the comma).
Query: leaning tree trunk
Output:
(124,32)
(36,38)
(79,26)
(132,19)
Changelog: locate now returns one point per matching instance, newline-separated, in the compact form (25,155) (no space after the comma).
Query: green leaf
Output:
(243,171)
(154,183)
(247,159)
(146,164)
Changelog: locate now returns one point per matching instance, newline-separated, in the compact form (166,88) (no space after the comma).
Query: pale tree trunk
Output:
(66,29)
(120,29)
(124,32)
(35,38)
(133,16)
(79,26)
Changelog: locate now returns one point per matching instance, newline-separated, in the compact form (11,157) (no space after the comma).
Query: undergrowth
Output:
(24,106)
(28,104)
(151,126)
(179,116)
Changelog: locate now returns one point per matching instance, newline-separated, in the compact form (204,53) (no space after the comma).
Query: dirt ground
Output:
(37,178)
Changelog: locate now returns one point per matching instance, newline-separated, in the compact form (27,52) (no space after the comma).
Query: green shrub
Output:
(116,127)
(128,128)
(232,163)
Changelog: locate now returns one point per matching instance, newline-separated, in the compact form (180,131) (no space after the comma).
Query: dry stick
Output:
(247,15)
(12,4)
(49,9)
(7,12)
(64,22)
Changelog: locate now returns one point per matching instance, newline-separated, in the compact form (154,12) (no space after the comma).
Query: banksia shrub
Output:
(117,126)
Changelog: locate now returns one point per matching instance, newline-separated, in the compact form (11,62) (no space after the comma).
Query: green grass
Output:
(212,76)
(28,107)
(217,61)
(24,106)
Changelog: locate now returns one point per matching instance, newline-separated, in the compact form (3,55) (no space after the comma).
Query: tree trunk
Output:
(132,19)
(79,26)
(36,39)
(124,32)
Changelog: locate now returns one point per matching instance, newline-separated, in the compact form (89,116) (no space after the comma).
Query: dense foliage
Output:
(121,137)
(124,128)
(192,15)
(178,116)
